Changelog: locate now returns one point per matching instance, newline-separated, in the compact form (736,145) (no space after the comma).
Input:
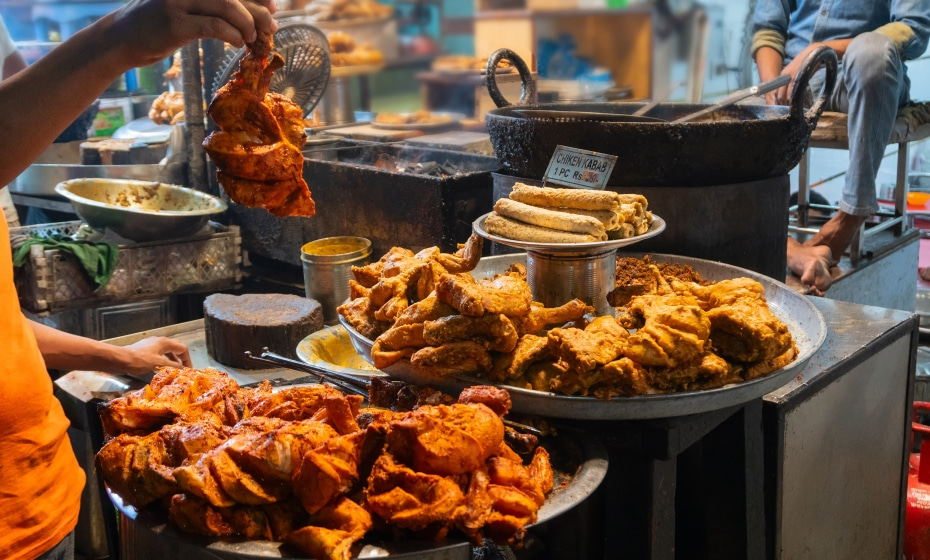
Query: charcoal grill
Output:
(389,193)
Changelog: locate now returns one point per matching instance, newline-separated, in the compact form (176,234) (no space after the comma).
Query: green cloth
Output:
(97,259)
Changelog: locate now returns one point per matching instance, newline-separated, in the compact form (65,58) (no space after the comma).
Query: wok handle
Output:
(528,85)
(820,55)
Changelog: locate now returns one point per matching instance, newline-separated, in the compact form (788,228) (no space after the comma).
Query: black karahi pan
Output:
(734,144)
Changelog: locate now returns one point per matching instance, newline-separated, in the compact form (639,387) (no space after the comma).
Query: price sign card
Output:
(579,168)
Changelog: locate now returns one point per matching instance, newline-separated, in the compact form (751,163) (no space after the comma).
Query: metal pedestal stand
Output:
(559,272)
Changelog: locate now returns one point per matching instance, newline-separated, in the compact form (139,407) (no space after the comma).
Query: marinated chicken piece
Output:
(505,293)
(409,499)
(274,454)
(708,369)
(473,514)
(293,403)
(494,330)
(328,471)
(673,330)
(360,313)
(272,522)
(743,327)
(583,350)
(427,309)
(446,440)
(258,147)
(243,487)
(187,442)
(540,316)
(530,348)
(519,442)
(511,511)
(137,468)
(494,398)
(452,358)
(535,481)
(332,531)
(173,393)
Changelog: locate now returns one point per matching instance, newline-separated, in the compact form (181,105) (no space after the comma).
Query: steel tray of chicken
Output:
(684,349)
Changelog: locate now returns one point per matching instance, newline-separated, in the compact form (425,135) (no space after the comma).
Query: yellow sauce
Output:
(329,250)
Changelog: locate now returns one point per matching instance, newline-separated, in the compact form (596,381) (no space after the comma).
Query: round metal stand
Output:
(560,272)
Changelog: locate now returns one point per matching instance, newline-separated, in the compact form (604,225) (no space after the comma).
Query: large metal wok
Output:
(731,145)
(804,321)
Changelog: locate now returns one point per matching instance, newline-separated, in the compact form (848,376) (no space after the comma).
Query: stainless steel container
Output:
(557,278)
(335,107)
(327,265)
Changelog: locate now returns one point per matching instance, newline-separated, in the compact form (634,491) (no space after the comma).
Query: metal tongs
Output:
(345,381)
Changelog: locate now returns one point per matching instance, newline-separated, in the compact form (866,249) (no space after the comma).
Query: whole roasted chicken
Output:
(257,149)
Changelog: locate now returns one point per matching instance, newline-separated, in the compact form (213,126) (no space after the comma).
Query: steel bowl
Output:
(140,210)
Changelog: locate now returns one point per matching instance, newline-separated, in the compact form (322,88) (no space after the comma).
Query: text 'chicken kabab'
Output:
(257,149)
(306,466)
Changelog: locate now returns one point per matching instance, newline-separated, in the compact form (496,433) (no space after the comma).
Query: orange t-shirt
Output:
(40,479)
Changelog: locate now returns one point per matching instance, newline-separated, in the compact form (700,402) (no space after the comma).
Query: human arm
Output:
(770,30)
(780,96)
(74,74)
(62,350)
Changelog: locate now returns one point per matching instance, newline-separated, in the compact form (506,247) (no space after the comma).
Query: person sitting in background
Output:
(872,40)
(41,482)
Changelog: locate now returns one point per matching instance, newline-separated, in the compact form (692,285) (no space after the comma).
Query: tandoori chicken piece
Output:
(328,471)
(446,440)
(409,499)
(333,530)
(137,468)
(258,148)
(173,393)
(583,350)
(292,403)
(271,522)
(495,398)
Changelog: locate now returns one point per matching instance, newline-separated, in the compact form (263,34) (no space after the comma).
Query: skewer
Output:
(349,383)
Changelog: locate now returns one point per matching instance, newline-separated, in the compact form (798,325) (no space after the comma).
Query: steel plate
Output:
(331,349)
(454,118)
(804,321)
(579,461)
(657,227)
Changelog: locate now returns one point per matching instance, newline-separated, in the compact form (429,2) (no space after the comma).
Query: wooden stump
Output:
(279,322)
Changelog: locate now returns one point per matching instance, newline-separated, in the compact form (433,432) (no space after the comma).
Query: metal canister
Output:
(557,278)
(328,266)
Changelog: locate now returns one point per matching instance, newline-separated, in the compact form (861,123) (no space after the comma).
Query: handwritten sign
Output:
(579,168)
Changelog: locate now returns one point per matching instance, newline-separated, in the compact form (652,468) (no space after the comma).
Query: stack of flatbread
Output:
(547,215)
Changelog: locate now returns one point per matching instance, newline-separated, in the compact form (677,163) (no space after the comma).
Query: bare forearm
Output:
(770,63)
(41,102)
(67,351)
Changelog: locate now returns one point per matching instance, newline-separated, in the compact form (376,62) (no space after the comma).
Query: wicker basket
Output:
(52,281)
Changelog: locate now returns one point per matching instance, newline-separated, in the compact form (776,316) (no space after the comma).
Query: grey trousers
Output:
(872,85)
(64,550)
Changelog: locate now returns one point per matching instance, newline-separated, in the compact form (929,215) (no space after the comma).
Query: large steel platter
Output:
(578,462)
(593,247)
(803,319)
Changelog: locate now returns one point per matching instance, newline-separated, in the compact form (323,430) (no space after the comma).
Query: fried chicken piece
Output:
(408,499)
(768,366)
(328,471)
(583,350)
(466,258)
(529,349)
(540,376)
(427,309)
(494,330)
(505,293)
(621,377)
(540,316)
(173,393)
(452,357)
(360,313)
(258,147)
(389,295)
(673,331)
(167,108)
(333,530)
(137,468)
(743,327)
(446,440)
(396,343)
(495,398)
(706,368)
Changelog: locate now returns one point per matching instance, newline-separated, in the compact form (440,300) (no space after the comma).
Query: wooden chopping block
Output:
(374,134)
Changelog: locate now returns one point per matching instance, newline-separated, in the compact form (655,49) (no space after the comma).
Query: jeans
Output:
(871,86)
(64,550)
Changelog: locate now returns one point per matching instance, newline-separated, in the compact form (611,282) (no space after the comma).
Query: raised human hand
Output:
(147,354)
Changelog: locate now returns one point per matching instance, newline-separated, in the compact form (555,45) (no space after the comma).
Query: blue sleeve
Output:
(916,15)
(772,15)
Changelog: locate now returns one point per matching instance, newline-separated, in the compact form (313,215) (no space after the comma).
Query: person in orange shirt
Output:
(40,480)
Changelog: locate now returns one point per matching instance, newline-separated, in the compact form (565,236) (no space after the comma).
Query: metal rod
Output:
(760,89)
(193,115)
(652,104)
